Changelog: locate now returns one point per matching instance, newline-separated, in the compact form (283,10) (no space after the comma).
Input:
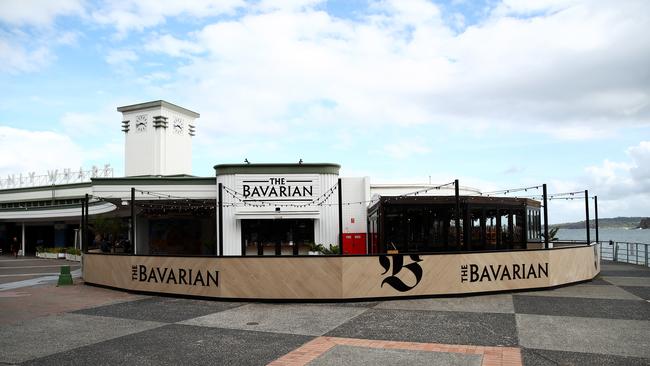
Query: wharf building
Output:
(160,208)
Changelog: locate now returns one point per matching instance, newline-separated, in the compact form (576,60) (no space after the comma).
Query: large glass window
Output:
(277,237)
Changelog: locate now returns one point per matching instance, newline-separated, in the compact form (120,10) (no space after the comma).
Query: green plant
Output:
(40,249)
(313,247)
(552,234)
(73,251)
(109,227)
(331,250)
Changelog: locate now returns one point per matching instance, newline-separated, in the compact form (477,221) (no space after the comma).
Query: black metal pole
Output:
(220,219)
(545,216)
(596,216)
(82,233)
(587,216)
(133,220)
(340,217)
(457,193)
(85,225)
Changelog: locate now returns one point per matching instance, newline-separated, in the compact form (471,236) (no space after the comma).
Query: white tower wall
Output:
(158,138)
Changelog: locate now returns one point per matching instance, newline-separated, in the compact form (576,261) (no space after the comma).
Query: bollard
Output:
(64,277)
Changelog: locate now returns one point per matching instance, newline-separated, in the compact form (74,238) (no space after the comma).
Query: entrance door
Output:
(277,236)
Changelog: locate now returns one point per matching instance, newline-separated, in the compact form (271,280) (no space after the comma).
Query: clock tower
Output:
(158,138)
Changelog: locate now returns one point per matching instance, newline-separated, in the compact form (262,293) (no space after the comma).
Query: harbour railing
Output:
(626,252)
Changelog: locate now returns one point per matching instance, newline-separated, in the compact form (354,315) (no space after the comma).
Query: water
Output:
(626,235)
(625,248)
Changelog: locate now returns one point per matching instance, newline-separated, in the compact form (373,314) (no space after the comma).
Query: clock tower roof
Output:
(157,103)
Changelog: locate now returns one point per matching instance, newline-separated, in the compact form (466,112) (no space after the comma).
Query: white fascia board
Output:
(44,194)
(55,213)
(278,215)
(184,191)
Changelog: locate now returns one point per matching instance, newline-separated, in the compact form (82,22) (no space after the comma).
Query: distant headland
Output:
(614,222)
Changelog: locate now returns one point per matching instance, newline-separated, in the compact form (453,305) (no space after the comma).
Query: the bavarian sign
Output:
(343,277)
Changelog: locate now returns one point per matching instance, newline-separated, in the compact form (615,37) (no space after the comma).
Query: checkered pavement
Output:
(602,322)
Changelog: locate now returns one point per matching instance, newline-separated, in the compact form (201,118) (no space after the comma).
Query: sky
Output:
(497,94)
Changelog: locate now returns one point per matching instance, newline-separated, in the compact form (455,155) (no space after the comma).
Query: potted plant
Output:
(331,250)
(316,249)
(73,254)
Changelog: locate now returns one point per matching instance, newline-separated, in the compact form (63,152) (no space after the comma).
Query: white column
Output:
(23,239)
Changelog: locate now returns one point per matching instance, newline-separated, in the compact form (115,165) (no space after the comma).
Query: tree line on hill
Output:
(614,222)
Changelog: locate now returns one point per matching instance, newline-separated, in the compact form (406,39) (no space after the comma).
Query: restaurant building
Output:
(160,208)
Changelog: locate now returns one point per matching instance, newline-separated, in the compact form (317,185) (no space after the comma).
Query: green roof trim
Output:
(45,188)
(154,180)
(157,104)
(305,168)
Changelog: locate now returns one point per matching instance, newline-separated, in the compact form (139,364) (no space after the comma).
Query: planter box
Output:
(60,255)
(47,255)
(72,257)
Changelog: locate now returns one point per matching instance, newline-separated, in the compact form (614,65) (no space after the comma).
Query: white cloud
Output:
(23,151)
(38,12)
(405,148)
(623,179)
(172,46)
(16,58)
(141,14)
(573,70)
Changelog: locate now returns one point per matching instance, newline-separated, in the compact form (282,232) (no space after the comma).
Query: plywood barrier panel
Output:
(173,275)
(411,275)
(282,277)
(575,264)
(322,277)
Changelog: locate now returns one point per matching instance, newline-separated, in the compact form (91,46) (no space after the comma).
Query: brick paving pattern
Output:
(602,322)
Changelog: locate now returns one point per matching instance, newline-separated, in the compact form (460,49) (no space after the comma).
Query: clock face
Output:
(178,125)
(141,122)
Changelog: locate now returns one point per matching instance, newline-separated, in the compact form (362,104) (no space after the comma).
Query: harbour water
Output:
(622,235)
(625,245)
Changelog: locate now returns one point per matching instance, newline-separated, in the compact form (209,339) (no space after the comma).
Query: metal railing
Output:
(626,252)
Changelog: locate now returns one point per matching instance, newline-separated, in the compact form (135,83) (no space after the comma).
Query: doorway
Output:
(277,236)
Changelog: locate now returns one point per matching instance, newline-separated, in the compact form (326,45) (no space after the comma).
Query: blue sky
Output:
(498,94)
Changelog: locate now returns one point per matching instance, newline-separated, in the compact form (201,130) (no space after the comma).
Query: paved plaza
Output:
(602,322)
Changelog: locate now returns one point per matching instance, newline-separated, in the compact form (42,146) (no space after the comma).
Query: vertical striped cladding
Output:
(325,225)
(231,226)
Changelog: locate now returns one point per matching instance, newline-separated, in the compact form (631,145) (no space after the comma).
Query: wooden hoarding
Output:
(344,277)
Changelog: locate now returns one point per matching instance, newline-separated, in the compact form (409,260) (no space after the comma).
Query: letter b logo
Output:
(398,263)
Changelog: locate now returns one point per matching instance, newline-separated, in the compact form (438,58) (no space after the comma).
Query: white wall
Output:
(158,151)
(44,193)
(325,217)
(355,190)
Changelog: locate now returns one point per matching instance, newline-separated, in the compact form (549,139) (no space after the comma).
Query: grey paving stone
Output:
(642,292)
(477,304)
(628,281)
(627,273)
(161,309)
(618,266)
(349,355)
(586,291)
(574,334)
(432,326)
(292,319)
(352,304)
(176,344)
(47,335)
(589,308)
(540,357)
(598,281)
